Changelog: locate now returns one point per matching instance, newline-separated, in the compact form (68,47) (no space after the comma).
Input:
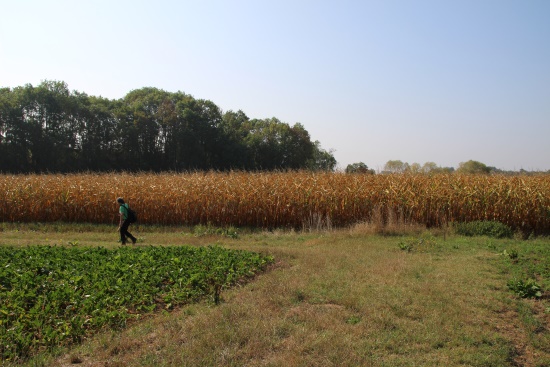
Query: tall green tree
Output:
(99,134)
(396,166)
(472,166)
(359,167)
(321,160)
(41,132)
(141,127)
(234,130)
(14,133)
(276,145)
(200,120)
(55,130)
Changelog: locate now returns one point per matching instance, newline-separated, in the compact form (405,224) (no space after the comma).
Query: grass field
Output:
(340,298)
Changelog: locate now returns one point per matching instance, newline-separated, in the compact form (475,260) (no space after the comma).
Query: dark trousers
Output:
(124,232)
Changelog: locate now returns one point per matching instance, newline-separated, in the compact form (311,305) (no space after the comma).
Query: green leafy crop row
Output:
(55,295)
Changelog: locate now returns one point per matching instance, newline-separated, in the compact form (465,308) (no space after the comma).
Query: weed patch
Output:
(208,230)
(525,288)
(421,244)
(484,228)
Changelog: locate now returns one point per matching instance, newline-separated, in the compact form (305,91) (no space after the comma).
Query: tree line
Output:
(49,128)
(469,167)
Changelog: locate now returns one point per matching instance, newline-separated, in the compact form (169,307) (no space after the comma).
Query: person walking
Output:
(124,222)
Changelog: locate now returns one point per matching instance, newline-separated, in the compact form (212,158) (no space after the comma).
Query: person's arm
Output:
(121,218)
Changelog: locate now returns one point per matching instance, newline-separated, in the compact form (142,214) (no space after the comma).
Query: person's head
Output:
(120,201)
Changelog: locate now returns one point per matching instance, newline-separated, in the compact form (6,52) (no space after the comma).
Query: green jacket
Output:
(124,211)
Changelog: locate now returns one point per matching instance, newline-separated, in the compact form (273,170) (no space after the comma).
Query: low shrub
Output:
(484,228)
(511,254)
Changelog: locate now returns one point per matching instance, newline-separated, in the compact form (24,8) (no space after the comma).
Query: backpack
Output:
(131,216)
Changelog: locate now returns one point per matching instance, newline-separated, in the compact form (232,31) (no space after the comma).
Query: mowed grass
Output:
(340,298)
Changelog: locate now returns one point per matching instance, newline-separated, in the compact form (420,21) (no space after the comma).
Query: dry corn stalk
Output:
(278,199)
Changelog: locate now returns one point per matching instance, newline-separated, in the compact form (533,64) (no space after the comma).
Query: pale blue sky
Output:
(417,81)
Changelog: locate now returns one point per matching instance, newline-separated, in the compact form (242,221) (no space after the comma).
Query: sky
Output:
(442,81)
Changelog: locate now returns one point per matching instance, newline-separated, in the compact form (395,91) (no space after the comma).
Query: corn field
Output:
(279,199)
